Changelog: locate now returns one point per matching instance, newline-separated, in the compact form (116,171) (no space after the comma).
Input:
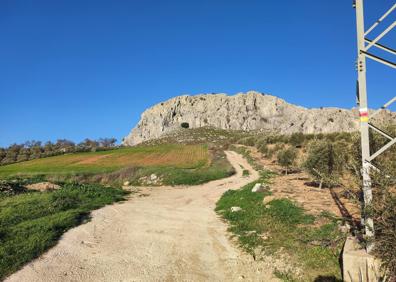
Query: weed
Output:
(245,173)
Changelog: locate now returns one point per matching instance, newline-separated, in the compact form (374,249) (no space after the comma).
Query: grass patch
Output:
(282,227)
(31,223)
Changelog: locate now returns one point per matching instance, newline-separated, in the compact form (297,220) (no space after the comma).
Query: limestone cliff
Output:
(244,111)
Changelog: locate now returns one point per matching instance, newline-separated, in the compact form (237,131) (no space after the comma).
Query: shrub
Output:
(247,141)
(287,158)
(297,139)
(263,149)
(384,211)
(9,188)
(260,142)
(384,216)
(274,139)
(185,125)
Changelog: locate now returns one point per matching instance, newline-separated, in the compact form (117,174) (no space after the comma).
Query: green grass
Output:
(173,163)
(31,223)
(178,156)
(287,229)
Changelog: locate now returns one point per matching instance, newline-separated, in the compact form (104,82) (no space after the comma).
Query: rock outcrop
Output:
(244,111)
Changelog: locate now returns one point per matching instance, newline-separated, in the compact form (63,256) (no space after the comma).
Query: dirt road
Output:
(165,234)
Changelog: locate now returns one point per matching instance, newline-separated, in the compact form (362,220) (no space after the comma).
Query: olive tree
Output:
(287,158)
(325,161)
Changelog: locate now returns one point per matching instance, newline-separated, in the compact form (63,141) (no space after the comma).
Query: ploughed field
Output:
(172,163)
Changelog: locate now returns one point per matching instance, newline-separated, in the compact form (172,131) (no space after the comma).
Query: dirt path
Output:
(172,234)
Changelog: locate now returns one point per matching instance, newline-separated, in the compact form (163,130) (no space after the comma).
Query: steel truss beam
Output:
(379,59)
(379,37)
(384,107)
(382,47)
(381,19)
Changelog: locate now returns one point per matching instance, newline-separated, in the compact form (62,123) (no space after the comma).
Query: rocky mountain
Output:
(244,111)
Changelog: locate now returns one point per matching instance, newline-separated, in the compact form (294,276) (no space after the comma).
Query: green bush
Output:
(287,158)
(297,139)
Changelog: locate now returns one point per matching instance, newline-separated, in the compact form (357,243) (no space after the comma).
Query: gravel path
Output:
(161,234)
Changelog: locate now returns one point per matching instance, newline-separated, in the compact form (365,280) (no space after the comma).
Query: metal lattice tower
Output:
(364,46)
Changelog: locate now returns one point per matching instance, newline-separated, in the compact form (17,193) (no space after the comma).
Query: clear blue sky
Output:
(88,68)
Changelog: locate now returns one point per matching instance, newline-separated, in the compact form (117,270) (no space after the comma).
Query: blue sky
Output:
(84,68)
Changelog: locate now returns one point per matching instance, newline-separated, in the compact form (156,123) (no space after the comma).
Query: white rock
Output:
(244,111)
(126,183)
(268,199)
(235,209)
(153,177)
(259,188)
(43,186)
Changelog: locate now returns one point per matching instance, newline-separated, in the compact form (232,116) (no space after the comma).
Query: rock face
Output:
(244,111)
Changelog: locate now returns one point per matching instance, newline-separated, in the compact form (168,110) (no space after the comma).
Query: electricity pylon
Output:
(364,45)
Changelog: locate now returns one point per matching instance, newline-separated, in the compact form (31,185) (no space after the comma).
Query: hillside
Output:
(171,164)
(252,111)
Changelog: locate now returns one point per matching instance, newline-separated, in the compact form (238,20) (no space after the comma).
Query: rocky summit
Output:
(251,111)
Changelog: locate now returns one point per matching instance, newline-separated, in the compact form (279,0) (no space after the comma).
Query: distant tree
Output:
(64,146)
(2,154)
(24,155)
(107,142)
(12,153)
(49,149)
(89,145)
(32,143)
(35,150)
(287,158)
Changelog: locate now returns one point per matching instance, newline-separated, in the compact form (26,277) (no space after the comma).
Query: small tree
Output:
(325,161)
(287,158)
(49,149)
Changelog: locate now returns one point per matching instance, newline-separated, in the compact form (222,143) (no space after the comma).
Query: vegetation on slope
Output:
(31,150)
(334,160)
(281,228)
(31,223)
(172,163)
